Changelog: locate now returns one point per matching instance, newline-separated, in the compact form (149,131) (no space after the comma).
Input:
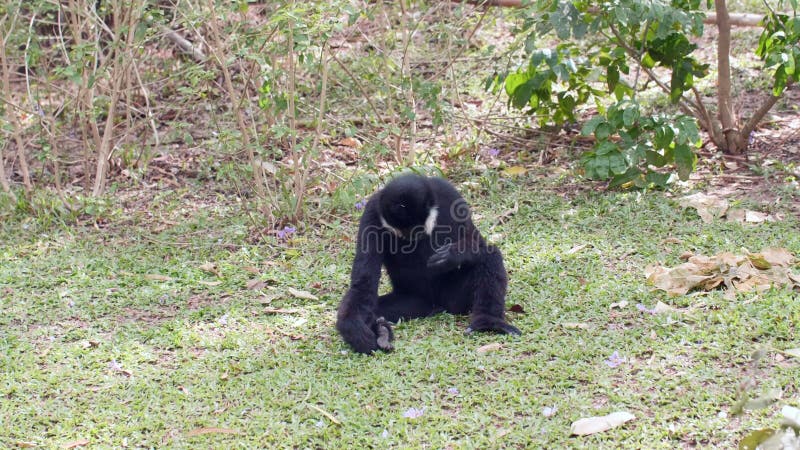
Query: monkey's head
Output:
(407,205)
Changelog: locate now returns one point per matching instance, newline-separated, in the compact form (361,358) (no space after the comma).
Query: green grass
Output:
(93,346)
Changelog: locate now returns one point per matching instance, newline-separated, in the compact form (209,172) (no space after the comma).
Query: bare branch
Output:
(183,44)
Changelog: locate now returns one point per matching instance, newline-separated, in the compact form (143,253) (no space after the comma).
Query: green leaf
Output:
(513,81)
(630,115)
(788,65)
(663,137)
(633,173)
(655,159)
(612,77)
(603,131)
(648,61)
(755,438)
(657,179)
(606,148)
(685,160)
(591,125)
(781,78)
(617,164)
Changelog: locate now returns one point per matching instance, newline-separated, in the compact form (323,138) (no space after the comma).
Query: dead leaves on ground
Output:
(592,425)
(745,272)
(711,207)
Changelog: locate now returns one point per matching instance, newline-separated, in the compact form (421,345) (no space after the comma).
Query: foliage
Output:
(604,53)
(779,47)
(630,147)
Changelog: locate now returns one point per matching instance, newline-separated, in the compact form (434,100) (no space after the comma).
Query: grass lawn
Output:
(151,331)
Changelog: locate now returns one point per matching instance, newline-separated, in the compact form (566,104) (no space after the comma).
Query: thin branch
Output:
(183,44)
(759,114)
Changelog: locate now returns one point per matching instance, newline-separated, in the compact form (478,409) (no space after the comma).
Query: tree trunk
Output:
(731,140)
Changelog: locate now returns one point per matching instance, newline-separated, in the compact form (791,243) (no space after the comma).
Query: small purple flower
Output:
(614,360)
(114,365)
(452,391)
(493,152)
(413,413)
(751,138)
(645,309)
(286,232)
(361,204)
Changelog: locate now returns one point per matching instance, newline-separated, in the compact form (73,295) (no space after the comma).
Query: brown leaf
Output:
(210,268)
(210,283)
(282,311)
(576,249)
(252,270)
(256,284)
(157,277)
(591,425)
(211,430)
(516,308)
(25,444)
(302,294)
(349,142)
(493,347)
(709,207)
(573,325)
(778,256)
(75,444)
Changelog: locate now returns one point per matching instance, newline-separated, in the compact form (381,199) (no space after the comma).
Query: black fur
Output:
(451,269)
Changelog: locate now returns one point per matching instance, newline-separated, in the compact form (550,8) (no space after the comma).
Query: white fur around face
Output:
(430,222)
(394,230)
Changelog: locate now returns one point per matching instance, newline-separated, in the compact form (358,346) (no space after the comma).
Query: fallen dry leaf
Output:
(493,347)
(748,216)
(211,430)
(25,444)
(256,284)
(210,283)
(516,308)
(576,249)
(210,268)
(302,294)
(619,305)
(252,270)
(592,425)
(514,171)
(282,311)
(739,273)
(157,277)
(575,325)
(662,308)
(778,256)
(75,444)
(709,207)
(794,352)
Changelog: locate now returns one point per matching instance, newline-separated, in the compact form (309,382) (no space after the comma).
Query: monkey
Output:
(420,229)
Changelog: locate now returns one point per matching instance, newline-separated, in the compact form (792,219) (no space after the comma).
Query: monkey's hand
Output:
(445,259)
(383,330)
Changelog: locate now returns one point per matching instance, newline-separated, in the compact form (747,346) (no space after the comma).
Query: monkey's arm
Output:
(356,320)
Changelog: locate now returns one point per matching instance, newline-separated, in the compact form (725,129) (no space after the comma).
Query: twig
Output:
(330,416)
(183,44)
